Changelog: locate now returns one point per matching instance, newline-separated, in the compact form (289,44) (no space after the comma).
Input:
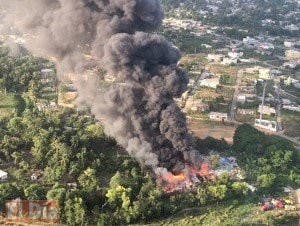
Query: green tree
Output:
(88,180)
(8,192)
(266,180)
(75,211)
(35,192)
(240,188)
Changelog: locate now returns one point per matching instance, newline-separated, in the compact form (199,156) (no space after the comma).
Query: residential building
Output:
(291,108)
(288,44)
(290,81)
(266,46)
(264,73)
(243,111)
(235,55)
(217,116)
(250,41)
(266,124)
(292,27)
(241,98)
(266,110)
(229,61)
(292,54)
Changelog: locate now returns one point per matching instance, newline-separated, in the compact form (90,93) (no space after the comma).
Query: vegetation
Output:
(291,121)
(68,146)
(226,79)
(268,161)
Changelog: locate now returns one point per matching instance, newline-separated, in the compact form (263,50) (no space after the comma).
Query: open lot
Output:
(218,130)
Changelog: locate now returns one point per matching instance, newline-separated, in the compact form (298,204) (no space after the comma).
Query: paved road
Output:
(191,91)
(235,96)
(278,105)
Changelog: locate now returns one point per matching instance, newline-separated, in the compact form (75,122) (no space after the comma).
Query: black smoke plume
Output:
(139,110)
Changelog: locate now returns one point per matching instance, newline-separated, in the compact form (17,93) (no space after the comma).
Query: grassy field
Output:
(217,130)
(291,122)
(222,69)
(233,214)
(250,119)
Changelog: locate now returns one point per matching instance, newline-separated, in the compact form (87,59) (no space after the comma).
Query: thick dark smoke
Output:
(139,110)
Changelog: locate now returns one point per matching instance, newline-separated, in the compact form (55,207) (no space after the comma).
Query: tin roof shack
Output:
(229,165)
(36,175)
(3,175)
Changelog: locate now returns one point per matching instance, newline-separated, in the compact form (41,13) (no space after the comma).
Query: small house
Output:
(217,116)
(36,175)
(241,98)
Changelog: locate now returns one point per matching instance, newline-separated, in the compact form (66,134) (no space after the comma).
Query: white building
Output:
(250,41)
(264,73)
(3,175)
(235,55)
(217,116)
(266,46)
(288,44)
(241,98)
(291,107)
(266,124)
(290,81)
(266,110)
(229,61)
(243,111)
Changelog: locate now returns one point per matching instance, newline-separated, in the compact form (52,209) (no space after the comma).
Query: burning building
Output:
(118,36)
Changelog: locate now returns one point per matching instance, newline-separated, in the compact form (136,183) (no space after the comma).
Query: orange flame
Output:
(170,178)
(185,180)
(203,171)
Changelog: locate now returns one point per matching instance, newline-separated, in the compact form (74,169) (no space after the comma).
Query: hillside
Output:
(130,118)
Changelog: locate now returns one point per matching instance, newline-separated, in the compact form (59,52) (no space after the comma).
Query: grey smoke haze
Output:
(139,111)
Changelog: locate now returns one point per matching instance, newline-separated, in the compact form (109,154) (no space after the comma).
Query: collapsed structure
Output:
(139,111)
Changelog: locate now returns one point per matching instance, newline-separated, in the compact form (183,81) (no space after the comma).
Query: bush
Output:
(219,192)
(240,188)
